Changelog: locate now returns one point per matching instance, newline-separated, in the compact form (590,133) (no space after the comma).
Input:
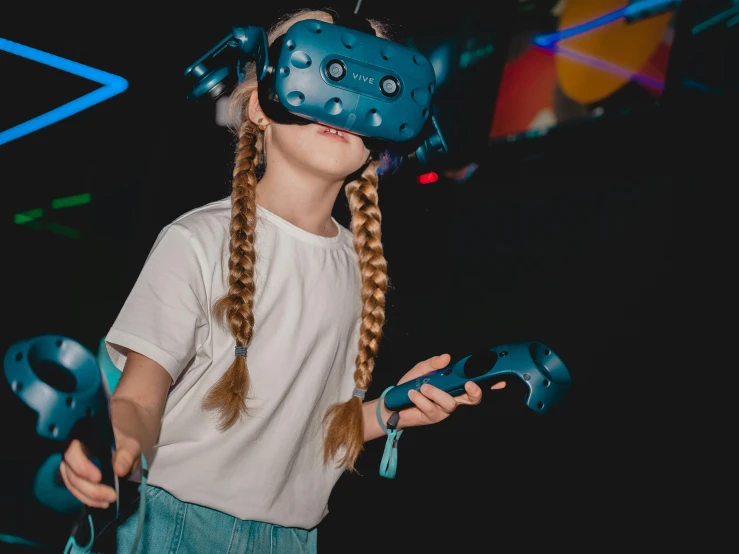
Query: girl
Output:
(247,344)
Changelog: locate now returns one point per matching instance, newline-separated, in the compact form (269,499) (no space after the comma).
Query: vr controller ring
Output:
(58,409)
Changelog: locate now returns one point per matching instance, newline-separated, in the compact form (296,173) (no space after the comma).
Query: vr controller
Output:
(337,75)
(544,373)
(60,380)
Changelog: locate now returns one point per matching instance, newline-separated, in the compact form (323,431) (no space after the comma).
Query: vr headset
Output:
(340,75)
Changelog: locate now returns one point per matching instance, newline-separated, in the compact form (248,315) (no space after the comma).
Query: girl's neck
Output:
(306,202)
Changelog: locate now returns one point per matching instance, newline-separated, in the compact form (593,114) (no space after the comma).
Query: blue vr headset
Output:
(339,75)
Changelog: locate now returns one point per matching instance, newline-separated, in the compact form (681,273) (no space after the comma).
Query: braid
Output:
(345,426)
(229,394)
(365,224)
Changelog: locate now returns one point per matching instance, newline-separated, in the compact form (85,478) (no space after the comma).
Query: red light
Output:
(427,178)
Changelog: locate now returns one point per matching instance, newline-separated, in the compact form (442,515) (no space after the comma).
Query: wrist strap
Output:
(73,548)
(142,503)
(389,463)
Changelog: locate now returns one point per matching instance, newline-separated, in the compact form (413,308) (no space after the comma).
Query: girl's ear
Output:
(256,115)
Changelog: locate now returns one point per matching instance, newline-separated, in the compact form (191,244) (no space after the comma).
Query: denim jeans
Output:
(175,527)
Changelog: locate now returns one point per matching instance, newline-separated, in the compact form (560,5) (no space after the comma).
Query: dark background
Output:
(588,239)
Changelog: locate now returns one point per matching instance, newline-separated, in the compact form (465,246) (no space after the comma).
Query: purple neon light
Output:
(645,80)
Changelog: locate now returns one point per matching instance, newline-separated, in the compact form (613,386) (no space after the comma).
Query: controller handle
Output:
(545,375)
(78,410)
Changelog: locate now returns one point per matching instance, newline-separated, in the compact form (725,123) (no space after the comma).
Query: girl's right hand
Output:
(82,477)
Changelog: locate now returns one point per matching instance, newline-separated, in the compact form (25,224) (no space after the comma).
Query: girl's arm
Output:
(372,429)
(136,406)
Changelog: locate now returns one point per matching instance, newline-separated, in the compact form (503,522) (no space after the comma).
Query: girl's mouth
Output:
(332,133)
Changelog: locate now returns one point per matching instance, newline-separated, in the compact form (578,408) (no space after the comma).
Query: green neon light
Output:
(471,57)
(70,201)
(55,228)
(63,230)
(715,19)
(30,215)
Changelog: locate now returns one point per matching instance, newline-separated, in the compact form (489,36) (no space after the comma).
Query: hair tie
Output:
(359,393)
(240,351)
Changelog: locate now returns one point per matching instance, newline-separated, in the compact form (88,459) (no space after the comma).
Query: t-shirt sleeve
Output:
(163,317)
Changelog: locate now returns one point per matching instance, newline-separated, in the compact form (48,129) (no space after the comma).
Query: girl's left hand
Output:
(433,405)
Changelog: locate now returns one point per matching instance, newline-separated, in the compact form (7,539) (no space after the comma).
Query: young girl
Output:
(247,344)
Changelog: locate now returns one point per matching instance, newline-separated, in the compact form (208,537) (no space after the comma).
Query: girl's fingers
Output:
(80,464)
(430,410)
(443,400)
(426,366)
(122,462)
(91,494)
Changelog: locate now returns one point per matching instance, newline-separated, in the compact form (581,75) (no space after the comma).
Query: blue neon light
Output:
(550,42)
(112,85)
(633,9)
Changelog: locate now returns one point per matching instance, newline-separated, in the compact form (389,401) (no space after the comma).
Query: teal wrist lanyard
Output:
(142,503)
(73,548)
(389,463)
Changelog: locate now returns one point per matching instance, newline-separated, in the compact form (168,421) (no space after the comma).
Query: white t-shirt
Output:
(307,308)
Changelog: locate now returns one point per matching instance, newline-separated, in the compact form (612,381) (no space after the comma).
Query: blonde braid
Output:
(229,394)
(344,421)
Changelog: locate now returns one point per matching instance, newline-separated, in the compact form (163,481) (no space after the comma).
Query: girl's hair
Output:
(344,430)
